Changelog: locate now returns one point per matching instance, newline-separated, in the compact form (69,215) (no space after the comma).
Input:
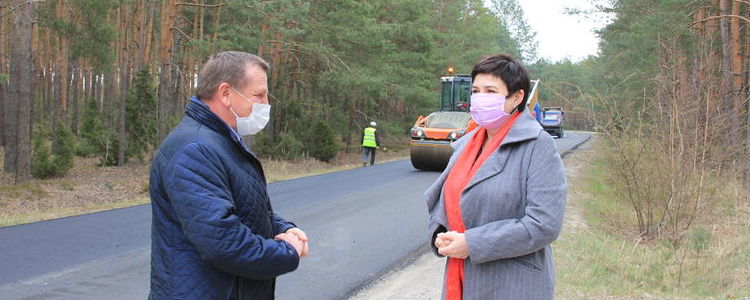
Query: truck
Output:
(552,121)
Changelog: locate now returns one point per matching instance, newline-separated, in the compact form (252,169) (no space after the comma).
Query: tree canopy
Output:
(341,62)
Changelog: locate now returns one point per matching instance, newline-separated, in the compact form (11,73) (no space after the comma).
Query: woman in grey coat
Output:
(499,204)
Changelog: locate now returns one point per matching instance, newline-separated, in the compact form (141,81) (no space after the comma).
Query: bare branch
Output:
(746,19)
(182,32)
(200,5)
(10,10)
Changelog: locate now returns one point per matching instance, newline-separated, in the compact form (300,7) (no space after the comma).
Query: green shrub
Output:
(700,239)
(323,144)
(84,148)
(41,165)
(64,150)
(92,130)
(288,147)
(96,140)
(107,147)
(262,145)
(140,116)
(58,164)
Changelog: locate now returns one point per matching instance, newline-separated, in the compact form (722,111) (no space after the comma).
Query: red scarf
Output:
(467,164)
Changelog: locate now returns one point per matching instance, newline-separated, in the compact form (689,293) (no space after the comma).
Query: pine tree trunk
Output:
(3,85)
(201,20)
(726,68)
(93,88)
(166,87)
(217,21)
(61,73)
(736,73)
(747,109)
(699,27)
(138,34)
(124,74)
(10,109)
(149,36)
(176,85)
(42,46)
(736,46)
(76,99)
(56,99)
(87,86)
(47,63)
(36,68)
(712,33)
(65,82)
(21,67)
(108,103)
(70,95)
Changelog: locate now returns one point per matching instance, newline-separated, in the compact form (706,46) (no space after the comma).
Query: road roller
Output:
(431,136)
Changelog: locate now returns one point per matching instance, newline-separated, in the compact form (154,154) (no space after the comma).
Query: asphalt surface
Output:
(361,222)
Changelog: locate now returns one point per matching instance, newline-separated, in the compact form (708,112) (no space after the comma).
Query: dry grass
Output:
(278,170)
(89,188)
(605,259)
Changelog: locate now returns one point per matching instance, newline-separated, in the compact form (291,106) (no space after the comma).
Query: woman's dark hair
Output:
(511,71)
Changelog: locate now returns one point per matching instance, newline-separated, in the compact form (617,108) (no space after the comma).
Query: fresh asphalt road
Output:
(361,222)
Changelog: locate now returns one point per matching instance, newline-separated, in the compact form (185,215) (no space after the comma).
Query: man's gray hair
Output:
(226,67)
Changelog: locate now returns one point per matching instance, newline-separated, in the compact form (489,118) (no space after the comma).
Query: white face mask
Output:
(257,119)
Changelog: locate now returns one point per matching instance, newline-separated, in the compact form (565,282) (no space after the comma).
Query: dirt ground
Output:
(90,188)
(86,188)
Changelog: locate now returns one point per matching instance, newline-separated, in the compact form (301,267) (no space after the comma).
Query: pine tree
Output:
(324,146)
(141,116)
(44,165)
(91,130)
(41,165)
(64,153)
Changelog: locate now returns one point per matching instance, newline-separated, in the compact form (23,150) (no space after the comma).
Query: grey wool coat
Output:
(513,210)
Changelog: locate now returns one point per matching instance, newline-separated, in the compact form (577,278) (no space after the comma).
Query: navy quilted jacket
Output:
(213,225)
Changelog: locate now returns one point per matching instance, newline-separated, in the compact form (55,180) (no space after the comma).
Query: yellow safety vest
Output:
(369,138)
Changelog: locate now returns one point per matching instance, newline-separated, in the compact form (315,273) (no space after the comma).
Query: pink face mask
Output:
(488,110)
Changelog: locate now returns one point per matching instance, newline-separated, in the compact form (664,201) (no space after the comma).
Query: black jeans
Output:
(368,151)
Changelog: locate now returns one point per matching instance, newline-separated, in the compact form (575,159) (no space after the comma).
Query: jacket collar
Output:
(200,112)
(526,128)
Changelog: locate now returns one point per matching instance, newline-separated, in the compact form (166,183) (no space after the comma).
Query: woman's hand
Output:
(440,242)
(452,244)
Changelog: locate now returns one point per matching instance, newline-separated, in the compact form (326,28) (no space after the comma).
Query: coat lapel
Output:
(492,166)
(433,192)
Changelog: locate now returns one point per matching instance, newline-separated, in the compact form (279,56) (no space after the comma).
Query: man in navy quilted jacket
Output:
(214,234)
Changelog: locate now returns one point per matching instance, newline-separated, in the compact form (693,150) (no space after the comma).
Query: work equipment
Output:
(432,135)
(552,121)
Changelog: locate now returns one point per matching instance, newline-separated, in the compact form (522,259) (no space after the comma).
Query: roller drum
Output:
(430,157)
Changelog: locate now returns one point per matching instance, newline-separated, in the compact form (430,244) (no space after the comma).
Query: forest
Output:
(667,93)
(111,77)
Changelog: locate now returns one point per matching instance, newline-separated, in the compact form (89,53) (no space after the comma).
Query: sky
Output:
(560,35)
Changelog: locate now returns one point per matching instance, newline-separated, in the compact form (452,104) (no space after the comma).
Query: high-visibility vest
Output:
(369,138)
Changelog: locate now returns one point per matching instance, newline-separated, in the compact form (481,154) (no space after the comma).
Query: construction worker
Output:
(537,114)
(370,142)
